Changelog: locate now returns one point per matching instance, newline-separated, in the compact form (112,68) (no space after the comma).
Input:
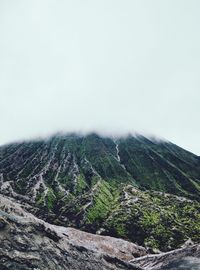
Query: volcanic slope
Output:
(143,190)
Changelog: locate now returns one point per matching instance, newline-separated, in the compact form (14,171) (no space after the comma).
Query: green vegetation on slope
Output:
(157,221)
(87,182)
(101,204)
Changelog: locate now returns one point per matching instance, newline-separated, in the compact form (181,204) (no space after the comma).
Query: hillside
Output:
(143,190)
(27,242)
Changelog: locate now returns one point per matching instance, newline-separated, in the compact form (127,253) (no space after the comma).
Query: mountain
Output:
(143,190)
(76,162)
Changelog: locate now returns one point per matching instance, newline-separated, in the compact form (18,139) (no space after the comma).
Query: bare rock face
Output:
(30,243)
(105,244)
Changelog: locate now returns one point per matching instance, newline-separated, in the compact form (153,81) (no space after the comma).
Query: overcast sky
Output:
(113,66)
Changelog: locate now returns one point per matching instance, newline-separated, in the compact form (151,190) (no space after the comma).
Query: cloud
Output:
(100,65)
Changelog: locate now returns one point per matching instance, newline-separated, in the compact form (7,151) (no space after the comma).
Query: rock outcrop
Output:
(187,258)
(27,242)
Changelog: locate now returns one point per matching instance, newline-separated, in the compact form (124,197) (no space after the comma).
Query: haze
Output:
(109,66)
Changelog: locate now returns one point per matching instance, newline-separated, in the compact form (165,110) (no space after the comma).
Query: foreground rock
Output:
(30,243)
(27,242)
(188,263)
(187,258)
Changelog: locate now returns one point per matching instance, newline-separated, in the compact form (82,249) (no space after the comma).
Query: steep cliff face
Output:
(142,190)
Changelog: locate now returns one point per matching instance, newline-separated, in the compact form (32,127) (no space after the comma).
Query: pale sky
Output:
(114,66)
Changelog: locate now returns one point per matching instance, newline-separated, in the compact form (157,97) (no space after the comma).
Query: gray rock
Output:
(27,242)
(187,258)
